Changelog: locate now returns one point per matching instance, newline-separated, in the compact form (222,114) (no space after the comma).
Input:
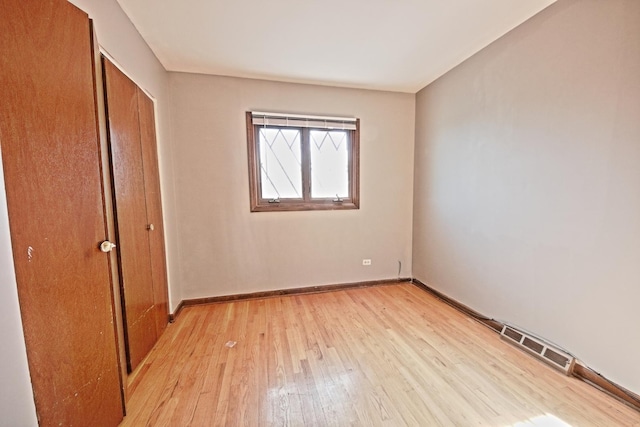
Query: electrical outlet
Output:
(366,262)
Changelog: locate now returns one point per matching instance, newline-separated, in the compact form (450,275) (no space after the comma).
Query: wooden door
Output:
(50,151)
(131,214)
(154,210)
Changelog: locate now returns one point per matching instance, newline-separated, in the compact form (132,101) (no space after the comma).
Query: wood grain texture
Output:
(109,212)
(384,355)
(597,380)
(153,199)
(50,151)
(491,323)
(580,371)
(282,292)
(131,213)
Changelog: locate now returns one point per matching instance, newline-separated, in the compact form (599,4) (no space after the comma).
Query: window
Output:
(302,162)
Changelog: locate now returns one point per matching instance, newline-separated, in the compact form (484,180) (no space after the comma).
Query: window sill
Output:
(298,206)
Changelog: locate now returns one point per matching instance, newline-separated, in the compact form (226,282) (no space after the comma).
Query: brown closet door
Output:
(154,210)
(131,214)
(50,151)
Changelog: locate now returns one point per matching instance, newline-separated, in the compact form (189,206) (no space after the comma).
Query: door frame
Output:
(109,213)
(109,204)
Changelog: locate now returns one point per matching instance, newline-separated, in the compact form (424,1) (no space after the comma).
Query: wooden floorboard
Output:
(386,355)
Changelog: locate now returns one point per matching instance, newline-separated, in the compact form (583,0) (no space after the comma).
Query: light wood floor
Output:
(386,355)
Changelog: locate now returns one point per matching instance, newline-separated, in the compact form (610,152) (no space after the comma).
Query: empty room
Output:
(286,213)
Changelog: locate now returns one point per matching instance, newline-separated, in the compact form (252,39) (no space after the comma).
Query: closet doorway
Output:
(138,212)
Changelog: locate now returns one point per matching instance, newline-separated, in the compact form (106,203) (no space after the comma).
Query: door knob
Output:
(150,227)
(107,246)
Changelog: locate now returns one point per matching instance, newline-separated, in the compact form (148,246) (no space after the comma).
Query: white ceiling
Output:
(397,45)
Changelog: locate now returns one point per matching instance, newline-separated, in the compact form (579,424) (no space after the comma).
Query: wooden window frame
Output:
(306,203)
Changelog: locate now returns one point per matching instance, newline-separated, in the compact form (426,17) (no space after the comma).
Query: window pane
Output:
(329,164)
(280,165)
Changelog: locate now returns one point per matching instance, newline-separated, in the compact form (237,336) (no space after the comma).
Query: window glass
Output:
(280,163)
(329,164)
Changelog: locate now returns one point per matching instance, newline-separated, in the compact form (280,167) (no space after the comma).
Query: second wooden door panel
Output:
(154,209)
(131,214)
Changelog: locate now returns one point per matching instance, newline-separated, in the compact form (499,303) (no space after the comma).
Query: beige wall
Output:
(527,193)
(17,407)
(527,183)
(225,249)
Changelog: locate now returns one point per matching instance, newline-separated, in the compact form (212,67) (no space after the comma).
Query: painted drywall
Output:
(527,182)
(17,407)
(226,249)
(121,41)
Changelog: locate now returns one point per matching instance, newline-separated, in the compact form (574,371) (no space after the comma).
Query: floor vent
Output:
(549,354)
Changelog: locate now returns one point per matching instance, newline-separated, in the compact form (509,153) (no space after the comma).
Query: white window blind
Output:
(300,121)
